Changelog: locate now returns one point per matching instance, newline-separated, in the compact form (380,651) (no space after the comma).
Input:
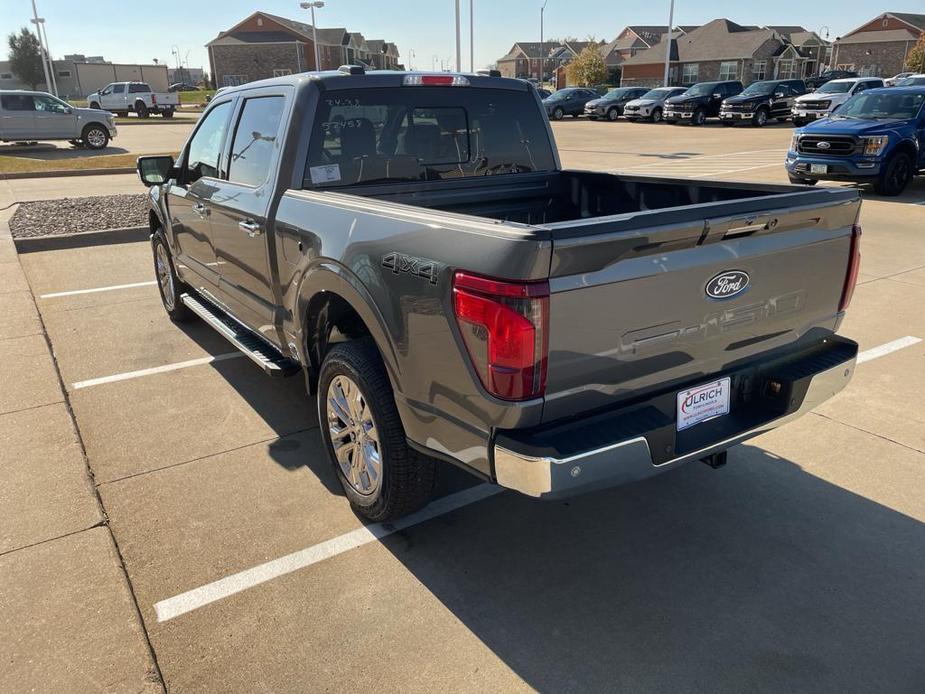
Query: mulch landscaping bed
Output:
(76,215)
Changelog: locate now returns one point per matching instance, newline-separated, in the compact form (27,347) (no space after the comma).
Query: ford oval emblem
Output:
(823,145)
(727,284)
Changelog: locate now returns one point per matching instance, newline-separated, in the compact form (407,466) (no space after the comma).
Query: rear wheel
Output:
(95,136)
(895,176)
(699,117)
(612,114)
(656,116)
(382,477)
(142,110)
(169,285)
(167,113)
(760,119)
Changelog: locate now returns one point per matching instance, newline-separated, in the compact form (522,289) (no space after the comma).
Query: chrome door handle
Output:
(250,227)
(201,209)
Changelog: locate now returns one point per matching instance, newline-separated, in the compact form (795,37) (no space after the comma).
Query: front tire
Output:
(656,116)
(95,136)
(168,284)
(612,114)
(95,105)
(895,176)
(557,114)
(699,117)
(382,477)
(760,119)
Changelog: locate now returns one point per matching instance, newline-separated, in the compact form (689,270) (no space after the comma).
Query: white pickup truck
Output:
(123,98)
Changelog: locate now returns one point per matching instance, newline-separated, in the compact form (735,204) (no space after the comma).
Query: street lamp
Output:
(542,46)
(311,6)
(668,42)
(47,63)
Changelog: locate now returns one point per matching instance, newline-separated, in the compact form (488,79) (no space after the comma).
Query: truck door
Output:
(116,99)
(240,209)
(17,116)
(53,118)
(189,198)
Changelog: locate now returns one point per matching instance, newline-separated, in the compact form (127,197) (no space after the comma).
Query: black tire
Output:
(699,117)
(802,181)
(727,123)
(558,113)
(799,122)
(656,116)
(167,113)
(670,121)
(95,136)
(783,119)
(169,285)
(406,479)
(142,110)
(575,115)
(612,114)
(760,119)
(895,176)
(95,105)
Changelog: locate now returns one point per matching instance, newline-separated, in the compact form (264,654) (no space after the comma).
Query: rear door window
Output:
(255,140)
(381,135)
(17,102)
(138,88)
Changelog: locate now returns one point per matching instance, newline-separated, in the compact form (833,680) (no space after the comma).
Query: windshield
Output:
(384,135)
(701,89)
(835,87)
(882,106)
(560,95)
(759,88)
(615,94)
(659,93)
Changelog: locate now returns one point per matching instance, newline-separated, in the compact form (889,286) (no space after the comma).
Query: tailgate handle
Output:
(750,226)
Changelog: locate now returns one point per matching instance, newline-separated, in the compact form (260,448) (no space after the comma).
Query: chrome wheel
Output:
(164,276)
(354,436)
(96,138)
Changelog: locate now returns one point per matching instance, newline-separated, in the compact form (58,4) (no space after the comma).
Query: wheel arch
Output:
(334,306)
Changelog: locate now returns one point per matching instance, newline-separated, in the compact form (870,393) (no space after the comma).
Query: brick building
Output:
(265,45)
(879,47)
(724,50)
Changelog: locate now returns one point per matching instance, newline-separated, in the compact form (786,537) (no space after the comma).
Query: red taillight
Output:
(854,266)
(153,99)
(505,326)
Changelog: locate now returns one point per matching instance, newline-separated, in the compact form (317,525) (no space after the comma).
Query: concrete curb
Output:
(65,172)
(84,239)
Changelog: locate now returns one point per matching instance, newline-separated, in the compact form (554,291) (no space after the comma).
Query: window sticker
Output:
(327,173)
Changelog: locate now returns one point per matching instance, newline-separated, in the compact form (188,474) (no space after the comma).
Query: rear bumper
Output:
(639,441)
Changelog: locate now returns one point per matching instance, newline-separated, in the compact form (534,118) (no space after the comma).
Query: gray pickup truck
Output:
(411,244)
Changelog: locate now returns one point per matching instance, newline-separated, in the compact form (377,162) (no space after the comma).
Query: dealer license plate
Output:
(706,401)
(818,168)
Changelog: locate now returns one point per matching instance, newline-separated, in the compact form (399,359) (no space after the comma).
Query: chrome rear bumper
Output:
(631,459)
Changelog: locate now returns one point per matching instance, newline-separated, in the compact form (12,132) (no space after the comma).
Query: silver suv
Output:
(31,116)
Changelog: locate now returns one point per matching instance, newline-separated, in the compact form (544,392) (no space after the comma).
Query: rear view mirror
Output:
(154,170)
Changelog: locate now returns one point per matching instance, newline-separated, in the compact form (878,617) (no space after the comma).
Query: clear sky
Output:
(139,30)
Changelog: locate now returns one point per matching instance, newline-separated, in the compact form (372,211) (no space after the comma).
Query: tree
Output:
(26,57)
(588,68)
(916,58)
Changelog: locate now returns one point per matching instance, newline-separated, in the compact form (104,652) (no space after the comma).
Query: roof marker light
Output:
(438,80)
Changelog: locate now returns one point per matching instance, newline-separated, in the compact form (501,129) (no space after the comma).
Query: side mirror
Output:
(717,95)
(778,95)
(154,170)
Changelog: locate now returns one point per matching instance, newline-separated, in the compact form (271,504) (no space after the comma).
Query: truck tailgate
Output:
(630,310)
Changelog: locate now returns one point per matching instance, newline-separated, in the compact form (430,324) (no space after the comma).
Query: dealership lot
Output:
(799,566)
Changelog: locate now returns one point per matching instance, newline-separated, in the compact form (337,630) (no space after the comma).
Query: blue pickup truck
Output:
(875,137)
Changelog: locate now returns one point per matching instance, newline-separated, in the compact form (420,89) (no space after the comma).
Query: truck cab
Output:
(875,137)
(830,95)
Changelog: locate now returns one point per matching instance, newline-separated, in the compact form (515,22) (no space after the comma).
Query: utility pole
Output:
(458,41)
(51,62)
(668,42)
(471,36)
(38,33)
(542,46)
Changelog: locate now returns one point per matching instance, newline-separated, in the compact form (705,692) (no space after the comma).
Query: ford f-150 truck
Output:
(875,137)
(412,245)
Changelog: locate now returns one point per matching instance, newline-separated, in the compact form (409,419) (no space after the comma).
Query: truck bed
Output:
(631,256)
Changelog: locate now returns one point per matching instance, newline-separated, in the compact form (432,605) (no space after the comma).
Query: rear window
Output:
(425,134)
(138,88)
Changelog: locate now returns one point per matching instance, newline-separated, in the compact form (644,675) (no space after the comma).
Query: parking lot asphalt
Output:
(797,567)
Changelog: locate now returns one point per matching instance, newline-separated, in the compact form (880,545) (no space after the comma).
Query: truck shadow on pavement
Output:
(758,577)
(48,152)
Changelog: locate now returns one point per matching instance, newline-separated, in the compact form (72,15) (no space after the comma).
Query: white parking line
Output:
(112,288)
(155,370)
(888,348)
(235,583)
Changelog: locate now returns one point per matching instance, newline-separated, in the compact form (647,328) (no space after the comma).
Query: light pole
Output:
(471,36)
(38,21)
(668,42)
(458,42)
(311,6)
(542,46)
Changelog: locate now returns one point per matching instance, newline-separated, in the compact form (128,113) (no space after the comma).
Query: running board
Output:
(254,347)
